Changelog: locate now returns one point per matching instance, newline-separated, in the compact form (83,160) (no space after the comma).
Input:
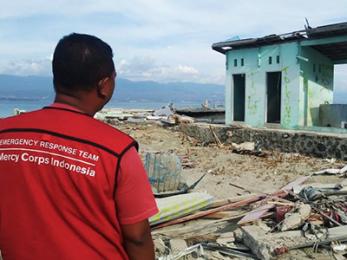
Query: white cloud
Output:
(146,68)
(187,70)
(173,37)
(27,67)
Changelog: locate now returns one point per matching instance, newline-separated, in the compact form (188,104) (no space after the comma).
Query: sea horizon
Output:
(8,106)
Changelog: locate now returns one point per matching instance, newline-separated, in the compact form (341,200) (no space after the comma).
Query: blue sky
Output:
(161,40)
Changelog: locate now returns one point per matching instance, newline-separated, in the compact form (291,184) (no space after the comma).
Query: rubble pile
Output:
(301,220)
(165,116)
(302,214)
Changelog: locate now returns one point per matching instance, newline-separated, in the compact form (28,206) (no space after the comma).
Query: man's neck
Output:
(78,103)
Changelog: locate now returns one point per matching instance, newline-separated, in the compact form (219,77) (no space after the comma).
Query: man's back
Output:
(72,187)
(58,202)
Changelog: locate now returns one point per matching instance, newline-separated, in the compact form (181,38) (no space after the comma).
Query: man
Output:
(73,187)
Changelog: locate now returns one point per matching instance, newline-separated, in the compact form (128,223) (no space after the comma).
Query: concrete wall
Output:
(303,142)
(316,85)
(332,114)
(290,86)
(256,65)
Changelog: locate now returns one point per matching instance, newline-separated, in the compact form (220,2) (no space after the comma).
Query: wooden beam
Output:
(324,41)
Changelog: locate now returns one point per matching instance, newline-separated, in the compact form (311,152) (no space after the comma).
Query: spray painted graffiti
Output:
(287,94)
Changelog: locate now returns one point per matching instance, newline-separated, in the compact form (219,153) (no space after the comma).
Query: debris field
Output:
(227,202)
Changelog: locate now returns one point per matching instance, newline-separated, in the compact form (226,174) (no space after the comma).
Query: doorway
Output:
(274,86)
(239,96)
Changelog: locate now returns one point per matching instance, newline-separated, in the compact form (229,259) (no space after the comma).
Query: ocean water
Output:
(7,106)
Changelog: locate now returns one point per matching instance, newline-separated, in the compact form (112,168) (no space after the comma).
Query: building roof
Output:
(331,40)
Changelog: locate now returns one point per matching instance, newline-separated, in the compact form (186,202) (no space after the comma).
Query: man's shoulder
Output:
(10,121)
(111,136)
(89,127)
(71,124)
(109,129)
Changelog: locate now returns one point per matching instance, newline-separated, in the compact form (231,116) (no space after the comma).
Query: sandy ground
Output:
(225,169)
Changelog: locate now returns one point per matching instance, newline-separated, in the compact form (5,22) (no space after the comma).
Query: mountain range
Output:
(40,87)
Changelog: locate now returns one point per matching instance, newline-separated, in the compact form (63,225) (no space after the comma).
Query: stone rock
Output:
(246,146)
(238,235)
(291,221)
(177,245)
(297,218)
(226,238)
(305,211)
(262,225)
(159,246)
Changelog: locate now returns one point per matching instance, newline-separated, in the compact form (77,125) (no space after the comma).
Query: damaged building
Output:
(285,80)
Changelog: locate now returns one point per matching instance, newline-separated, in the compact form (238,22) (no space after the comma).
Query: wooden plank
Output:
(222,202)
(210,211)
(263,210)
(195,229)
(295,183)
(224,215)
(256,214)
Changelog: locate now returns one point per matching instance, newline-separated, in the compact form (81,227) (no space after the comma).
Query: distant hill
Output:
(36,87)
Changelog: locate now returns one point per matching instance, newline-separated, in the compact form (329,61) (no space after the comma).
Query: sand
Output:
(223,167)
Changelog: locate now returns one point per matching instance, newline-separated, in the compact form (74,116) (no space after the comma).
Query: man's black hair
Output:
(80,61)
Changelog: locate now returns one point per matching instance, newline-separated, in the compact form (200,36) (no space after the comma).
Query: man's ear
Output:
(105,88)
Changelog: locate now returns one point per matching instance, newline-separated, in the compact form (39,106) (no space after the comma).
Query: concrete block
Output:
(160,247)
(177,245)
(226,238)
(295,219)
(238,234)
(263,244)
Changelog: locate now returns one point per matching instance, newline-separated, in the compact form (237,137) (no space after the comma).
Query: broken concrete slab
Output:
(226,238)
(297,217)
(177,245)
(246,146)
(160,247)
(238,234)
(268,245)
(263,244)
(262,225)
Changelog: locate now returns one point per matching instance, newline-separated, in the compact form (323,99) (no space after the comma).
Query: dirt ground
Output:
(228,174)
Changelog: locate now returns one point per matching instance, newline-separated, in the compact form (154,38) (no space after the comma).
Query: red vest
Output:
(58,173)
